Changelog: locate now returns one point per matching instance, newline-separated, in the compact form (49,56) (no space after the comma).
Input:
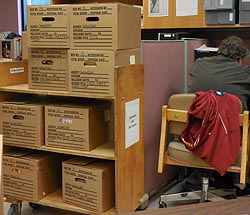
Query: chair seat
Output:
(178,152)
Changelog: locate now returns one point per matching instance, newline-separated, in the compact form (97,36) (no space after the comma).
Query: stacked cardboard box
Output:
(48,43)
(103,36)
(89,183)
(48,26)
(48,69)
(22,123)
(77,126)
(221,12)
(77,47)
(30,175)
(244,12)
(104,26)
(92,72)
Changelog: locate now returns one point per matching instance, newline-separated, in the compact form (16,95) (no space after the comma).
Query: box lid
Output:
(80,161)
(18,152)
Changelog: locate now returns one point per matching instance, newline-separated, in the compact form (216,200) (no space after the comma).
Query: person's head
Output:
(234,48)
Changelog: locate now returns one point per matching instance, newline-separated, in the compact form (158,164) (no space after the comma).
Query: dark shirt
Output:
(222,74)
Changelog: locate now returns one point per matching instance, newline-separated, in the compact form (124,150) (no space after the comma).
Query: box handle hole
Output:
(48,19)
(92,19)
(16,171)
(47,62)
(18,117)
(81,180)
(90,64)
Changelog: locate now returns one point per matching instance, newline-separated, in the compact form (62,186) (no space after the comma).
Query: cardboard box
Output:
(105,26)
(30,175)
(219,4)
(48,26)
(89,185)
(92,71)
(244,16)
(22,124)
(244,5)
(78,127)
(48,69)
(221,17)
(12,73)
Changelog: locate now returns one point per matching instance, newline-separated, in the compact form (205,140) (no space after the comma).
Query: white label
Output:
(66,121)
(245,0)
(231,17)
(221,2)
(132,59)
(132,122)
(16,70)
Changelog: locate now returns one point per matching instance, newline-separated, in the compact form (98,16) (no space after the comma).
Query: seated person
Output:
(224,72)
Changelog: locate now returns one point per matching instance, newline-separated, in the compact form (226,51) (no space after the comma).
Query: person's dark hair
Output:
(233,47)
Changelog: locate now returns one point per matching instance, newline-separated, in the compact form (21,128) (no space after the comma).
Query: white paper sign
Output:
(186,7)
(132,122)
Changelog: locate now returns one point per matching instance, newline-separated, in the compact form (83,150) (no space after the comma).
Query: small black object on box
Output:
(173,36)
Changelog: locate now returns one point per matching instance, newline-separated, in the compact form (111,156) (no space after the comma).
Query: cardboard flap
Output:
(18,153)
(80,161)
(101,165)
(14,102)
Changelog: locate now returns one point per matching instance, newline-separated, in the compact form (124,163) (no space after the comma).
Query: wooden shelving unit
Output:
(129,161)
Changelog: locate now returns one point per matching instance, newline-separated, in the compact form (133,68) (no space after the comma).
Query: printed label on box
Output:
(16,70)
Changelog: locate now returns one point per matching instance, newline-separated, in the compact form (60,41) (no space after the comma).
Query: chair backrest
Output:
(174,117)
(180,102)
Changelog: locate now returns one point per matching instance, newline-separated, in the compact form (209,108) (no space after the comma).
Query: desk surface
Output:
(240,206)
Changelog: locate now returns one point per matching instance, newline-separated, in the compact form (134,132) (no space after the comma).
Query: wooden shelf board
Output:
(104,151)
(55,200)
(23,88)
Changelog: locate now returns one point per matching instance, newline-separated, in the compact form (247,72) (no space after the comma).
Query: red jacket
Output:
(213,130)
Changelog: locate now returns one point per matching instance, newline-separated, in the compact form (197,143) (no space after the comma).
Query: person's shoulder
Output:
(245,67)
(205,59)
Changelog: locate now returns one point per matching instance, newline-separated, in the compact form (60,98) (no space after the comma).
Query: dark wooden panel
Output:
(238,206)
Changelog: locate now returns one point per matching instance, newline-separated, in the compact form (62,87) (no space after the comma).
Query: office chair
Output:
(173,152)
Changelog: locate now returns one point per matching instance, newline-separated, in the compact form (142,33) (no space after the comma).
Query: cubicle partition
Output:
(166,67)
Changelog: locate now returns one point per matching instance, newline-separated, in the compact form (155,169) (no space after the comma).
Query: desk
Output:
(240,206)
